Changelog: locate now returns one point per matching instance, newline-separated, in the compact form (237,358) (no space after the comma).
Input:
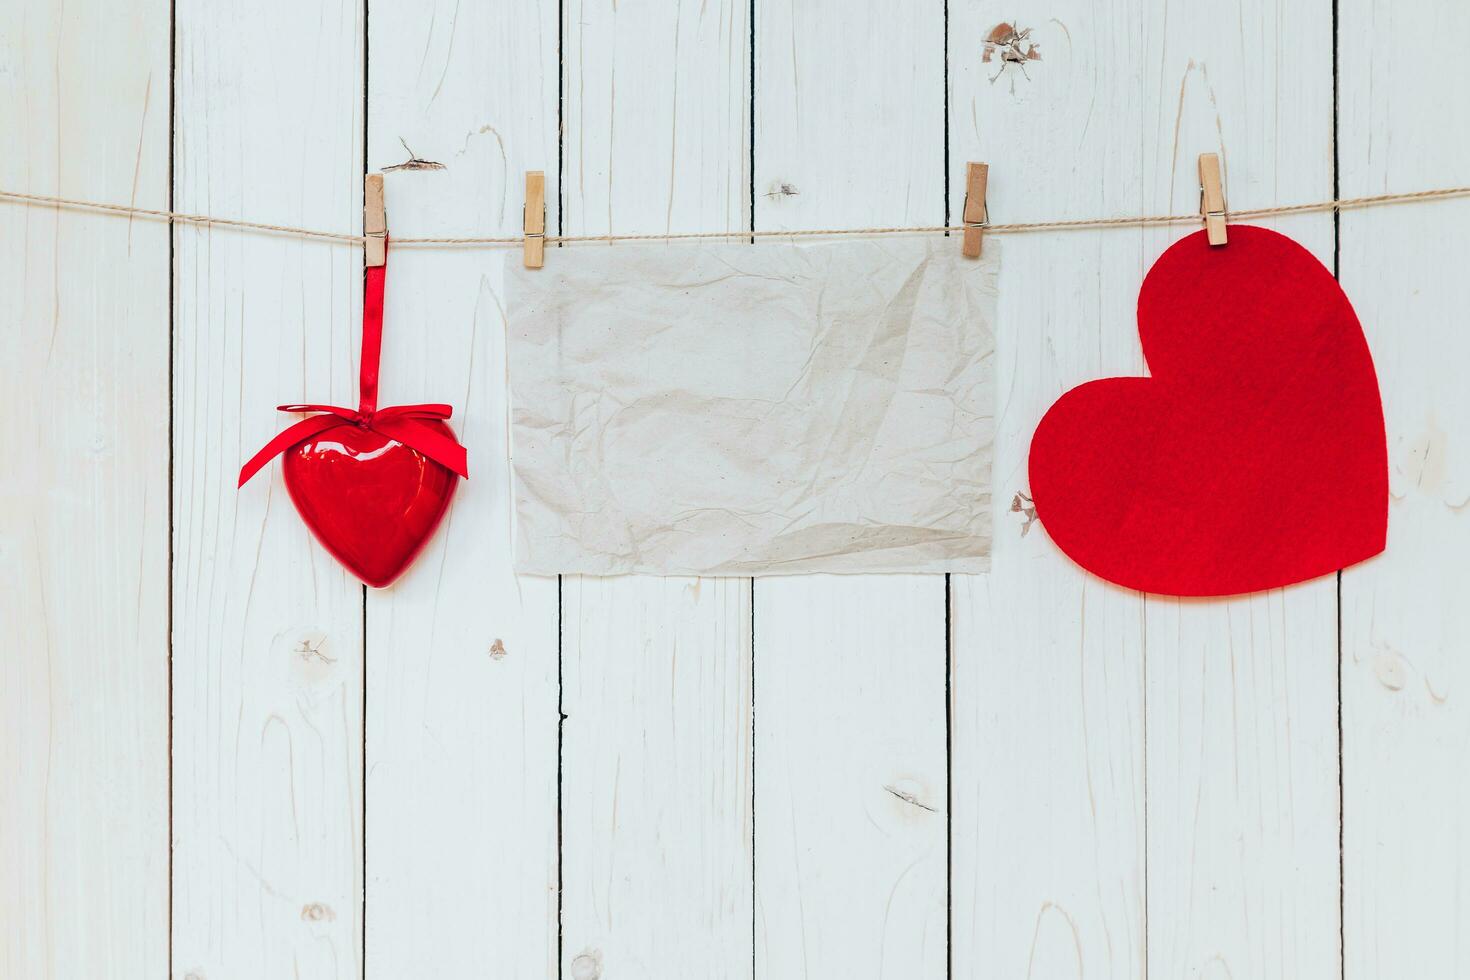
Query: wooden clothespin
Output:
(1212,198)
(535,219)
(976,214)
(374,222)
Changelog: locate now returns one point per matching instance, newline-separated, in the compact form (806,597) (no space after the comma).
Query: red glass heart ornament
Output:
(371,484)
(1254,454)
(370,500)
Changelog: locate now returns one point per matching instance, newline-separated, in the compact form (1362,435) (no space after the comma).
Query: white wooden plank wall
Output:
(1024,773)
(1193,742)
(1405,622)
(850,778)
(657,829)
(267,629)
(1240,695)
(84,495)
(1048,663)
(461,835)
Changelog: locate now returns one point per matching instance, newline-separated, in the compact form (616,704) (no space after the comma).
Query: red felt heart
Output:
(370,500)
(1253,456)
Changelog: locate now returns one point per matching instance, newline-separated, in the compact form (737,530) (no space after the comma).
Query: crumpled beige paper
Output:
(737,409)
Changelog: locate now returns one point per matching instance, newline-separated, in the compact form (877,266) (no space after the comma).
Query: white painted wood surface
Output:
(84,488)
(851,804)
(1197,739)
(1240,694)
(656,831)
(850,793)
(267,629)
(1048,663)
(461,833)
(772,779)
(656,807)
(1405,621)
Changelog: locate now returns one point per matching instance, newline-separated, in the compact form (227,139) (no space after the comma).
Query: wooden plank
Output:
(84,106)
(267,627)
(656,749)
(850,791)
(1047,742)
(656,777)
(851,804)
(1242,783)
(1405,622)
(1047,675)
(461,653)
(1241,693)
(1240,769)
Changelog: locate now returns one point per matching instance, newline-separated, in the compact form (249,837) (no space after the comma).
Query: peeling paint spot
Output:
(587,965)
(1023,511)
(1389,669)
(414,162)
(497,649)
(317,912)
(1426,463)
(1011,46)
(909,798)
(311,657)
(312,648)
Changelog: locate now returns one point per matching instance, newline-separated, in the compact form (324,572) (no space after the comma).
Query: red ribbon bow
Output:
(397,422)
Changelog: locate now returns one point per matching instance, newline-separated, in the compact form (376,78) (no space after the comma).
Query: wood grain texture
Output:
(1048,671)
(461,818)
(1047,766)
(84,321)
(850,876)
(267,627)
(1236,717)
(1241,693)
(1405,621)
(1048,661)
(1242,784)
(753,782)
(850,792)
(656,819)
(656,117)
(656,831)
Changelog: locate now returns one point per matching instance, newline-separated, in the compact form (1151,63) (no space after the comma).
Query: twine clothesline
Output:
(181,217)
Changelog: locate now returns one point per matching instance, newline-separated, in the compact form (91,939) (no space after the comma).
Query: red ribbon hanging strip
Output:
(400,422)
